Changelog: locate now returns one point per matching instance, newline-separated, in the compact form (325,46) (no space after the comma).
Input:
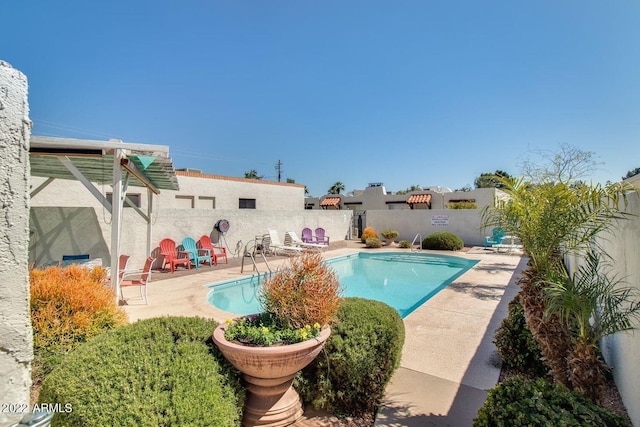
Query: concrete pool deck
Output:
(448,359)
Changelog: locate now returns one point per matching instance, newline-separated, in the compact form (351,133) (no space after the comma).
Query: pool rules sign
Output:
(440,221)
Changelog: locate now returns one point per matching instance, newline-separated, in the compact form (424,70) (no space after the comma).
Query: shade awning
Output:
(419,198)
(330,201)
(94,159)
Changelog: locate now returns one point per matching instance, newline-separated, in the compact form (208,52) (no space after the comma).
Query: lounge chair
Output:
(275,244)
(138,278)
(172,256)
(307,236)
(197,255)
(320,236)
(292,239)
(215,251)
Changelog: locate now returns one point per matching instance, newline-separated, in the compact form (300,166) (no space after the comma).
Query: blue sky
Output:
(400,92)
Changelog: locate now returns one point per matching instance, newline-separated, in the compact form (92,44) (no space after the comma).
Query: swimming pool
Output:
(402,280)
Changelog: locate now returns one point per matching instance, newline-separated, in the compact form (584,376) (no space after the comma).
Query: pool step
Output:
(417,259)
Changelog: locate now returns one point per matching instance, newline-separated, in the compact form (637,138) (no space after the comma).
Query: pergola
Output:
(111,162)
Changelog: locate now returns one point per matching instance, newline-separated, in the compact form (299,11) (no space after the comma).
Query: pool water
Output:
(402,280)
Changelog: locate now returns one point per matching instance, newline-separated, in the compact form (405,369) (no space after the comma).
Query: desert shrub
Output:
(517,402)
(68,306)
(443,241)
(404,244)
(357,362)
(461,205)
(516,345)
(157,372)
(373,242)
(304,293)
(368,233)
(390,234)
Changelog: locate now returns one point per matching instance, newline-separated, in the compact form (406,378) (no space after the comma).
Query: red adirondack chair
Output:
(172,255)
(216,251)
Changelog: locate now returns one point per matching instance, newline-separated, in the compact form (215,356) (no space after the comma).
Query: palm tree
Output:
(554,217)
(336,188)
(551,219)
(592,305)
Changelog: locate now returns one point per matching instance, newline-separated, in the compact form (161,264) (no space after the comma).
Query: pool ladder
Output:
(250,251)
(413,244)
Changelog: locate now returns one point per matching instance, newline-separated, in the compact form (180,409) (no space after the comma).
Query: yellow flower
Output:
(265,330)
(229,321)
(303,334)
(316,325)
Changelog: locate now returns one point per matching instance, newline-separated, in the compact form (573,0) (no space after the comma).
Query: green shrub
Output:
(442,241)
(461,205)
(517,402)
(516,345)
(404,244)
(357,362)
(157,372)
(373,242)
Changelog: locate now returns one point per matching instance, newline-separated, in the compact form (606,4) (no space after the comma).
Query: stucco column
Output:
(16,344)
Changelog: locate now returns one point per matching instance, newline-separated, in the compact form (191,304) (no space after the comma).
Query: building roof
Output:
(330,201)
(419,198)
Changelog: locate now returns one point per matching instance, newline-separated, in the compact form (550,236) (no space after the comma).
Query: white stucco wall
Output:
(202,188)
(269,195)
(66,218)
(465,223)
(16,347)
(622,350)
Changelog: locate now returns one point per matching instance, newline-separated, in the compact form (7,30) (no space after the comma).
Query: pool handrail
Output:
(413,243)
(250,250)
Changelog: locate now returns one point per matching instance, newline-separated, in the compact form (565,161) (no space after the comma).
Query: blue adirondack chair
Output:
(497,234)
(197,255)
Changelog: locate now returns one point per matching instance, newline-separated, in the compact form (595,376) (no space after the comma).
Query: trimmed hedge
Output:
(517,402)
(516,345)
(350,375)
(442,241)
(157,372)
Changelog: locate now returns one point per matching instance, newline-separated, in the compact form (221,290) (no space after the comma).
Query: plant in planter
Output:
(390,235)
(269,348)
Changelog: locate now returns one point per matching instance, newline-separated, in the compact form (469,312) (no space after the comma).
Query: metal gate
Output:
(358,223)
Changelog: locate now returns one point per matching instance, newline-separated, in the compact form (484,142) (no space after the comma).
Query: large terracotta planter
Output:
(269,371)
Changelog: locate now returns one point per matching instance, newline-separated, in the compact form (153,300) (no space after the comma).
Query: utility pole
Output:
(279,169)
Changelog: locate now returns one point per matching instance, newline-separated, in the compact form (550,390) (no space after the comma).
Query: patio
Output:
(448,360)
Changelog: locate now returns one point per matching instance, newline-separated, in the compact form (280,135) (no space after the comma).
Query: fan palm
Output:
(336,188)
